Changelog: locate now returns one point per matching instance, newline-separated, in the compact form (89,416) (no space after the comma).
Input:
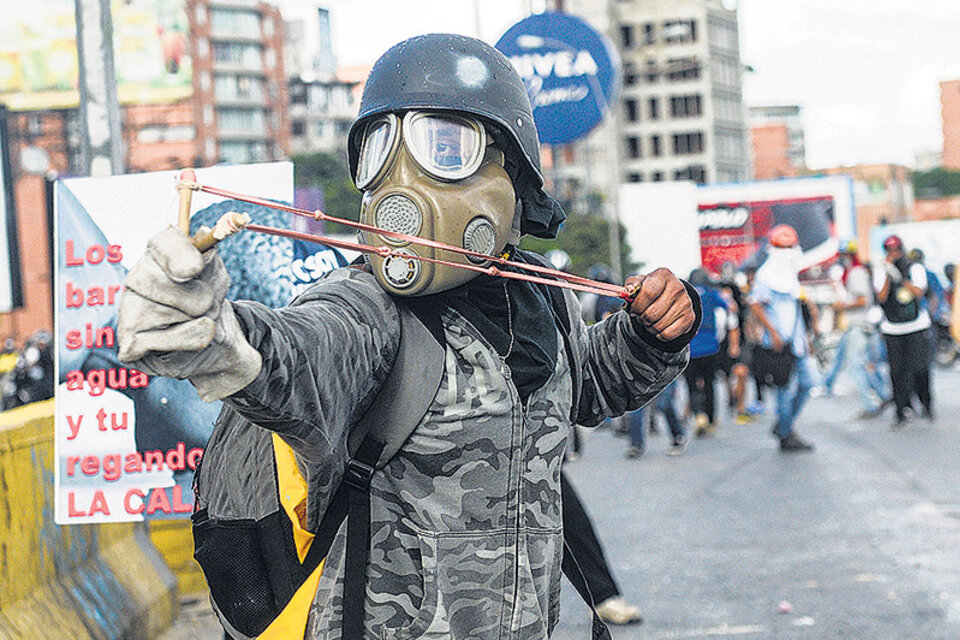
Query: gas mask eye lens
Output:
(378,141)
(447,147)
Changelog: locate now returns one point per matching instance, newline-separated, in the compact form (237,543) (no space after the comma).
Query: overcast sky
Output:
(866,72)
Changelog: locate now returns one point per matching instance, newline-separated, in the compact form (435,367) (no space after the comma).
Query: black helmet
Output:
(447,72)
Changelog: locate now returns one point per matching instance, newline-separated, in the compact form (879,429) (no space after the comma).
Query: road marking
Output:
(719,630)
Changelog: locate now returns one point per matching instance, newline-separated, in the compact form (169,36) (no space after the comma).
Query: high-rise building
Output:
(322,104)
(681,113)
(776,137)
(950,112)
(240,91)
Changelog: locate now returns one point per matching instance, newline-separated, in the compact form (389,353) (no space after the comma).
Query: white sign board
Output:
(662,226)
(126,443)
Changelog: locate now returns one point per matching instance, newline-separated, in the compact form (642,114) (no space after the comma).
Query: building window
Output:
(35,125)
(634,177)
(298,94)
(629,78)
(696,173)
(298,127)
(654,108)
(686,106)
(246,121)
(632,112)
(679,69)
(245,56)
(680,31)
(233,87)
(687,143)
(233,22)
(655,147)
(649,33)
(657,176)
(633,146)
(651,72)
(175,133)
(243,152)
(626,36)
(726,71)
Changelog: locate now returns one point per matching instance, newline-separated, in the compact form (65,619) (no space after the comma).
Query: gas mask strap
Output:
(515,234)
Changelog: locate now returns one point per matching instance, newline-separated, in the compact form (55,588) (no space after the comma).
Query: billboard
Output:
(681,225)
(38,53)
(127,444)
(734,218)
(570,71)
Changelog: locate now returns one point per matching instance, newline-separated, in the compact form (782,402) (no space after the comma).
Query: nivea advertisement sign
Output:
(571,72)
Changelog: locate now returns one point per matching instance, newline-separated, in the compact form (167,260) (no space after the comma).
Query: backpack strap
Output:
(392,416)
(410,387)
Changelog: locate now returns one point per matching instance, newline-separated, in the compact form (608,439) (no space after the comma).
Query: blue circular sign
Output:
(570,71)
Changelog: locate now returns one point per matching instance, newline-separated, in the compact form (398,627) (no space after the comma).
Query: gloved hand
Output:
(174,319)
(893,273)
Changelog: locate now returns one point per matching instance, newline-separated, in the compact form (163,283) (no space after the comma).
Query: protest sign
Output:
(127,443)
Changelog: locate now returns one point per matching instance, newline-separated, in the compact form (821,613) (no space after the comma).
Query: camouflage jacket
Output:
(466,535)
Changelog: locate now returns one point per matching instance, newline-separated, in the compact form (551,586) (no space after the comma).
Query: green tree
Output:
(936,183)
(329,171)
(585,237)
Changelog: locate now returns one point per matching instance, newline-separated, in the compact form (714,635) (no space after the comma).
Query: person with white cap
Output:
(775,301)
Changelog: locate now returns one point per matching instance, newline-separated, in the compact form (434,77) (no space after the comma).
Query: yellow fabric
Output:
(293,494)
(292,621)
(7,362)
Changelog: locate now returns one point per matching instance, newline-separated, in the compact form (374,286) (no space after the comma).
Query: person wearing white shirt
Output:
(906,324)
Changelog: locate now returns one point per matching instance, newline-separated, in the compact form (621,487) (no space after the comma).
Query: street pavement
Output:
(858,540)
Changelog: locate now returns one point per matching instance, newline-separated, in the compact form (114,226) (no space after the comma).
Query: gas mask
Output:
(439,177)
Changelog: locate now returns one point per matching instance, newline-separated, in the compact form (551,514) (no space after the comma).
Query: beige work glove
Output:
(174,319)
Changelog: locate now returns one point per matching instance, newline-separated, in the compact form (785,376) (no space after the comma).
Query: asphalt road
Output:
(859,540)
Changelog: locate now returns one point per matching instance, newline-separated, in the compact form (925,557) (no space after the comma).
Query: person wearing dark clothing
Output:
(586,564)
(705,354)
(901,285)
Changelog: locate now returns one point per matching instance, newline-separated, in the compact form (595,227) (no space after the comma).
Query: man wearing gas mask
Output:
(465,524)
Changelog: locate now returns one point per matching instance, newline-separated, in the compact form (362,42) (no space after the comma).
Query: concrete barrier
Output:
(96,582)
(174,540)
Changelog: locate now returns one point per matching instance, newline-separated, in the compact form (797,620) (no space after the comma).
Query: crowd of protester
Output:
(765,347)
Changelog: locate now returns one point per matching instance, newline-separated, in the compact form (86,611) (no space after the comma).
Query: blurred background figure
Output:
(704,353)
(27,376)
(732,363)
(901,285)
(586,565)
(946,347)
(775,301)
(859,339)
